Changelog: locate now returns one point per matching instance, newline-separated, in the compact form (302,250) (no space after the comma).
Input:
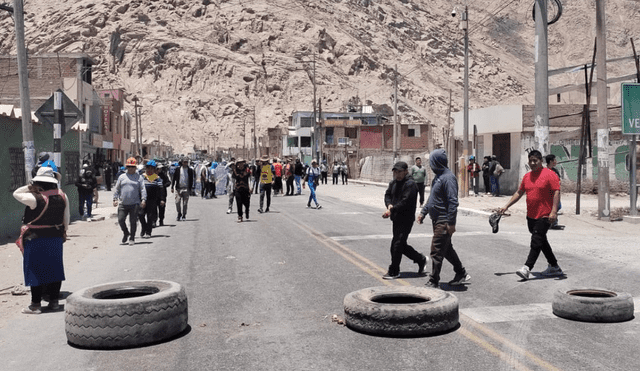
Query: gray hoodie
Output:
(442,205)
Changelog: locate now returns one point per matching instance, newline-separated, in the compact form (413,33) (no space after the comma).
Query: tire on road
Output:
(125,314)
(593,305)
(401,311)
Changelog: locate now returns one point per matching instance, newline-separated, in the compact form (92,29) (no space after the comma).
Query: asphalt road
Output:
(262,293)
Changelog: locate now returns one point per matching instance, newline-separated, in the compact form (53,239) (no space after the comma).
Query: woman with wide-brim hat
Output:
(44,229)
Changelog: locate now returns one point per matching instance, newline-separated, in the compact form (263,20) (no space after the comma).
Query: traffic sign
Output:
(72,113)
(630,108)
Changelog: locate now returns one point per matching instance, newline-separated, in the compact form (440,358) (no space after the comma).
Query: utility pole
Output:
(464,24)
(135,111)
(25,101)
(603,123)
(244,137)
(541,114)
(321,130)
(315,123)
(395,117)
(255,140)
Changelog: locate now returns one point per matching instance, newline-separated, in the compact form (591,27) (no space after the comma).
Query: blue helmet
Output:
(51,164)
(151,163)
(472,157)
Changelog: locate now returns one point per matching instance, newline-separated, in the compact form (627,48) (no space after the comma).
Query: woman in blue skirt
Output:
(44,226)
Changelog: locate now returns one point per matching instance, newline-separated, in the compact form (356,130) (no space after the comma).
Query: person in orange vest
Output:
(266,181)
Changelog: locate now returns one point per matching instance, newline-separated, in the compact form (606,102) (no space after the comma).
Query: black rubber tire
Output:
(593,305)
(125,314)
(437,313)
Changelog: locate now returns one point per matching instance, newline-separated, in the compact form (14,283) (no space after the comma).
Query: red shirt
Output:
(278,168)
(539,187)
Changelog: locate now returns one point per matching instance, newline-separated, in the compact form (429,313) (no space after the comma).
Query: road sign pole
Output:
(58,119)
(633,191)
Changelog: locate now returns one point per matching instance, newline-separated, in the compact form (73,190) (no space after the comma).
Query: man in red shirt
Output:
(277,185)
(542,187)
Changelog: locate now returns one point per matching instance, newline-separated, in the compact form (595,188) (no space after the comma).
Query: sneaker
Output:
(246,215)
(32,309)
(53,305)
(132,241)
(318,206)
(391,276)
(184,219)
(422,264)
(161,223)
(552,271)
(125,237)
(460,279)
(523,272)
(178,218)
(229,211)
(267,210)
(432,285)
(260,210)
(239,219)
(308,206)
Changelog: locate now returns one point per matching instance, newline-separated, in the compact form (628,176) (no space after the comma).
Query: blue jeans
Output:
(297,177)
(312,194)
(88,198)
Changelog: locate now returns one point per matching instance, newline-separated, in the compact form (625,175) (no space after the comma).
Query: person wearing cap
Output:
(242,189)
(162,173)
(43,232)
(400,200)
(313,179)
(474,171)
(183,183)
(153,186)
(266,181)
(442,207)
(86,184)
(419,175)
(344,172)
(129,196)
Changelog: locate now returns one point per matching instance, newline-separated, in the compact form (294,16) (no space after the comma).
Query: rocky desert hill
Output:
(201,67)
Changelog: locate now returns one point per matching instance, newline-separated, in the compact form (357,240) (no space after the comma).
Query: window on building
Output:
(502,149)
(412,133)
(292,142)
(306,122)
(16,162)
(71,166)
(343,141)
(351,133)
(328,135)
(305,141)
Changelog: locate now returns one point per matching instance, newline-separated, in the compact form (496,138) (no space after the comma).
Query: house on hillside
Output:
(508,133)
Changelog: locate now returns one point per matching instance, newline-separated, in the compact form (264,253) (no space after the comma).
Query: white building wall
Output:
(494,120)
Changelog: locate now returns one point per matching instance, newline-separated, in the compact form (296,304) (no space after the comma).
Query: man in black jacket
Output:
(183,183)
(86,183)
(400,199)
(161,171)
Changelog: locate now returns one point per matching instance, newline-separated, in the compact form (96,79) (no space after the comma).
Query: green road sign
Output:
(630,109)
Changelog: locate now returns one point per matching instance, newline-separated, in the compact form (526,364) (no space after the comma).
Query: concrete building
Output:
(508,133)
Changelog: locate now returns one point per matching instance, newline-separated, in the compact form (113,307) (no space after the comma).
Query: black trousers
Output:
(399,246)
(148,216)
(442,248)
(539,242)
(421,192)
(52,289)
(265,189)
(323,177)
(290,185)
(243,197)
(487,183)
(335,178)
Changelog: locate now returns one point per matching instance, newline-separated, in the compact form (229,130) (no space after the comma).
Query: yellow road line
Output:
(375,271)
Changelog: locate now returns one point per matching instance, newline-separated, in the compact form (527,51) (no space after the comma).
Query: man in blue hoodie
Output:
(442,207)
(400,199)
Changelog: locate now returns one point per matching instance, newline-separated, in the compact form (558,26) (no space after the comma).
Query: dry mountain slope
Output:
(200,67)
